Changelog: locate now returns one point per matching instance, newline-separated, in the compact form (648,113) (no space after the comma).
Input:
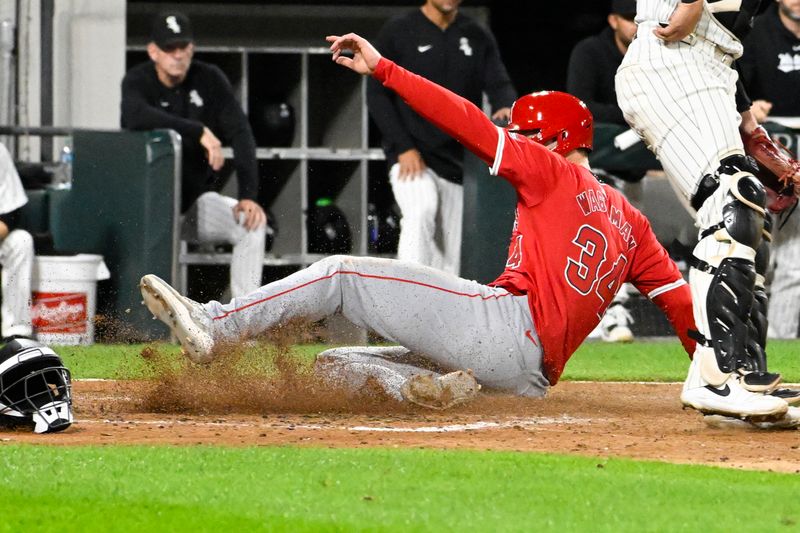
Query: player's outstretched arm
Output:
(365,56)
(451,113)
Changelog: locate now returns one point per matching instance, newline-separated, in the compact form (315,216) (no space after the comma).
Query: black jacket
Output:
(205,98)
(770,66)
(590,76)
(463,58)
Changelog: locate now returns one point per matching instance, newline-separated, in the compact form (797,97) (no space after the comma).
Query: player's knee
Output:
(334,263)
(745,211)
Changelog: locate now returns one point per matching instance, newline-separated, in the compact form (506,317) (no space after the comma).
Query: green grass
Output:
(594,361)
(307,489)
(661,361)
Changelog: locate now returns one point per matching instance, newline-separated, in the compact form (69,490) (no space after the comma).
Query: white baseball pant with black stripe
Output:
(452,322)
(784,302)
(16,261)
(432,209)
(211,220)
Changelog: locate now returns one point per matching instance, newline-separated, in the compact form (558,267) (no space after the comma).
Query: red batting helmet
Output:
(550,117)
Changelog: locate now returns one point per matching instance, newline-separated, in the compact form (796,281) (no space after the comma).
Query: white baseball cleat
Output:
(615,324)
(187,319)
(440,392)
(731,399)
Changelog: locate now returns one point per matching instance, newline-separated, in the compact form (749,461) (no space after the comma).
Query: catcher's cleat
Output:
(440,392)
(187,319)
(760,381)
(790,396)
(731,399)
(790,420)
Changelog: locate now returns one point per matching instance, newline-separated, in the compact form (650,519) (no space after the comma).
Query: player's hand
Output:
(213,148)
(411,165)
(760,110)
(365,57)
(250,214)
(682,22)
(504,114)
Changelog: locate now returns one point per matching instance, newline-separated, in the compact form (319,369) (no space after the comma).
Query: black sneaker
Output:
(790,396)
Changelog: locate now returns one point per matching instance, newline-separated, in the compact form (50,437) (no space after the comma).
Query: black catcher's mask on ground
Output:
(35,387)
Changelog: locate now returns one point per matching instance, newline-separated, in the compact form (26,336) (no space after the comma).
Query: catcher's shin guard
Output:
(723,279)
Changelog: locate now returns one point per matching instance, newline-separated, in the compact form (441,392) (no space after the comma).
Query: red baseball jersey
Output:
(574,240)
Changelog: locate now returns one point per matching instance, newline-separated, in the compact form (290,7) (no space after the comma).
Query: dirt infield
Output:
(601,420)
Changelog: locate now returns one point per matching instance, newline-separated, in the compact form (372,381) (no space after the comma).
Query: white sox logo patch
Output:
(464,46)
(195,98)
(172,24)
(788,62)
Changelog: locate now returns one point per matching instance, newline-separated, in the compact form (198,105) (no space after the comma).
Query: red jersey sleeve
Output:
(527,165)
(454,115)
(656,276)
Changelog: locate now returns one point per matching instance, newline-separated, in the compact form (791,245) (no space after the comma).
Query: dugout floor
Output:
(643,421)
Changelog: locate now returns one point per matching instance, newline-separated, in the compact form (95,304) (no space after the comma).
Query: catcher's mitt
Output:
(777,170)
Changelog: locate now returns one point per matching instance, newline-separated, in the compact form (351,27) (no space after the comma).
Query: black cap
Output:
(171,29)
(623,7)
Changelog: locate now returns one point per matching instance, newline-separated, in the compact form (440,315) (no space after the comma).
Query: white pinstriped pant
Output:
(680,98)
(16,260)
(430,230)
(211,219)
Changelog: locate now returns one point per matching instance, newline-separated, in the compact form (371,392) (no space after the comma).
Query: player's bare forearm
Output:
(213,148)
(451,113)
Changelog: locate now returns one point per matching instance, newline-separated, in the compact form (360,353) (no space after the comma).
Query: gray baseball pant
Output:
(452,322)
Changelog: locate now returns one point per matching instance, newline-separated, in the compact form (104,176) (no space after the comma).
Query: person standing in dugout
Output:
(517,333)
(196,99)
(426,166)
(678,89)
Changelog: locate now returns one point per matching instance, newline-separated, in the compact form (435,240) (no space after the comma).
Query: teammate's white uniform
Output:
(431,206)
(16,256)
(211,219)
